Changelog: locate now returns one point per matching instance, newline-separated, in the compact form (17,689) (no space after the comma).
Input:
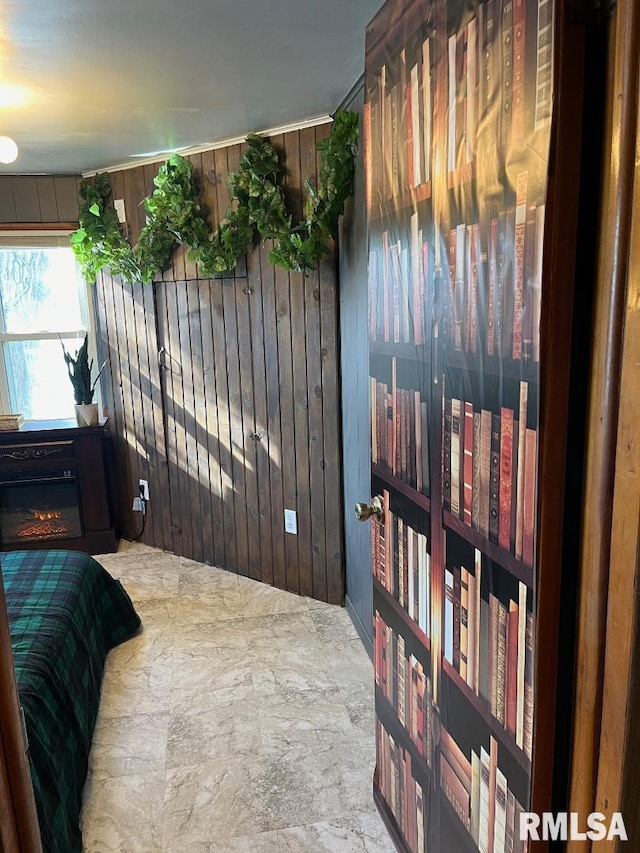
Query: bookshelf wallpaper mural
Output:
(456,131)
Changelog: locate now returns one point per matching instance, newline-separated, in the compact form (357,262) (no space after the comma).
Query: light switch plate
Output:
(290,521)
(119,206)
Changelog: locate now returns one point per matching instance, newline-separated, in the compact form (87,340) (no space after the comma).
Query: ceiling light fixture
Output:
(8,149)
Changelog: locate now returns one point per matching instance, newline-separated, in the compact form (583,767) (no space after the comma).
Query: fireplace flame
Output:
(41,515)
(43,525)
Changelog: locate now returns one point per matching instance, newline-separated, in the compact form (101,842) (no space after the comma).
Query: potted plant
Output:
(79,368)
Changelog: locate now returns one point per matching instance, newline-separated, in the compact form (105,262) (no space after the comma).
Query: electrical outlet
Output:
(138,505)
(291,521)
(144,486)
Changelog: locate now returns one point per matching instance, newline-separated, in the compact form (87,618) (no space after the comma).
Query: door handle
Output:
(376,508)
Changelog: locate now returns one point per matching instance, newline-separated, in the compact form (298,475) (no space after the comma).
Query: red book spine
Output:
(506,462)
(468,463)
(521,213)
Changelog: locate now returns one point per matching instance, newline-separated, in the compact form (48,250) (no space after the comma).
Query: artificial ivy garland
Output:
(174,214)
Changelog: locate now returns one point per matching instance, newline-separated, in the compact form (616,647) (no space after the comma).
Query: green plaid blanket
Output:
(65,613)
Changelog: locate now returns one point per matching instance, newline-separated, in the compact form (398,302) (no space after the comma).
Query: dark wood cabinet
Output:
(55,488)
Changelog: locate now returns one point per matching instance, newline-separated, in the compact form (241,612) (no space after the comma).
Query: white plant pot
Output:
(87,414)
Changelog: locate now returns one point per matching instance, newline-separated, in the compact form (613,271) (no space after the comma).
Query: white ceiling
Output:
(107,81)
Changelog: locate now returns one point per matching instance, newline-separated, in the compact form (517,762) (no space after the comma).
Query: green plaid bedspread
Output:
(65,613)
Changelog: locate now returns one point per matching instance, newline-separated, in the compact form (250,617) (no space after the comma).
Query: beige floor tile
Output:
(258,599)
(220,733)
(358,834)
(136,691)
(240,719)
(124,814)
(207,679)
(126,746)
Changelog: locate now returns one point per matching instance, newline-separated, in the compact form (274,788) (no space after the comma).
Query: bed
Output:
(65,613)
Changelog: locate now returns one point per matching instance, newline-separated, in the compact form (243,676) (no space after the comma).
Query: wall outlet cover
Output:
(144,484)
(290,521)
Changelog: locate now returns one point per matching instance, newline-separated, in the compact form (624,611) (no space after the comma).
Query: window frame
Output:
(41,238)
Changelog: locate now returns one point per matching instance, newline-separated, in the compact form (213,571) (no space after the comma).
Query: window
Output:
(42,298)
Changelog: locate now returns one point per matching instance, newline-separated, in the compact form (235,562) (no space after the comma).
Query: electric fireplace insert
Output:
(39,505)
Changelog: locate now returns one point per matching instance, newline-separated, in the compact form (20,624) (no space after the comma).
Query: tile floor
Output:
(240,719)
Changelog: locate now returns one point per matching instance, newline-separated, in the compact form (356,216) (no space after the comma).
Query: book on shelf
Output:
(456,617)
(483,650)
(468,463)
(506,477)
(507,72)
(475,470)
(399,279)
(402,792)
(402,565)
(499,666)
(520,625)
(529,496)
(494,479)
(520,485)
(500,829)
(544,60)
(528,687)
(464,625)
(448,616)
(455,792)
(446,454)
(536,295)
(455,456)
(489,461)
(401,119)
(512,672)
(529,286)
(518,290)
(492,659)
(475,641)
(518,94)
(494,272)
(485,471)
(399,432)
(486,644)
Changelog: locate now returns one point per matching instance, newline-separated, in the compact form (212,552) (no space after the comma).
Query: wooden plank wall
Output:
(38,199)
(238,418)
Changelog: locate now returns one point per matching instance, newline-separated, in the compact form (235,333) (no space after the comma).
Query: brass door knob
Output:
(365,511)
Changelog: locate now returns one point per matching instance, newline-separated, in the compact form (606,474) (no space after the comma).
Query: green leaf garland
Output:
(174,214)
